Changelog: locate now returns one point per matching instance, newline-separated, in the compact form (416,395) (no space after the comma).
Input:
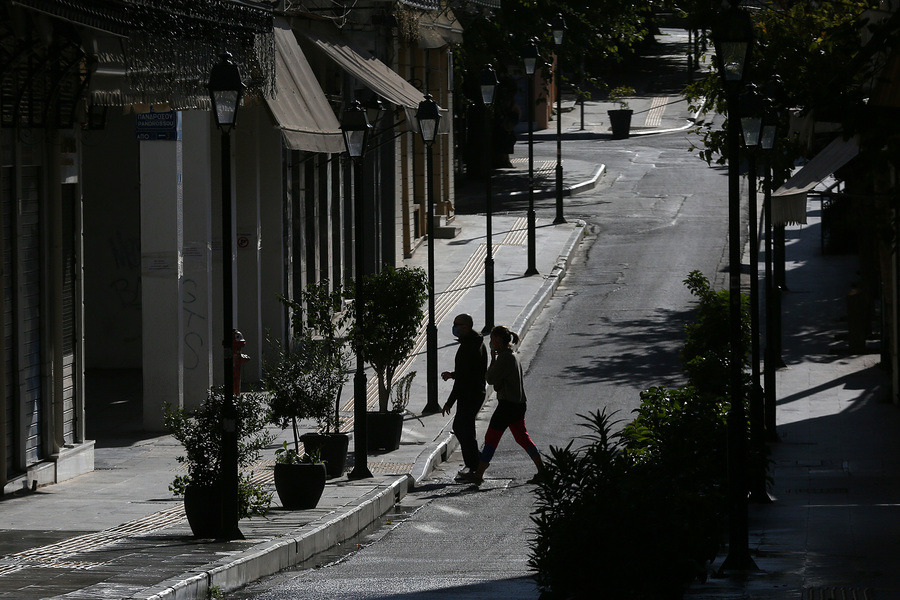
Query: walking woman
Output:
(505,374)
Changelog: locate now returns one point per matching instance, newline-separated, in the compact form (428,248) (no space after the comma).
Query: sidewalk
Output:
(119,533)
(831,530)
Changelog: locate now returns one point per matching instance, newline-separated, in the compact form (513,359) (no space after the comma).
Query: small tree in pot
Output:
(305,379)
(393,314)
(620,118)
(200,432)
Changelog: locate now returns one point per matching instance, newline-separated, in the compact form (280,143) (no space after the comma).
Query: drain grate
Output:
(838,593)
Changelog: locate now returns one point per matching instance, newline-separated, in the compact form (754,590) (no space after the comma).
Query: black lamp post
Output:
(751,127)
(733,37)
(225,91)
(559,29)
(530,56)
(356,129)
(767,143)
(488,87)
(428,118)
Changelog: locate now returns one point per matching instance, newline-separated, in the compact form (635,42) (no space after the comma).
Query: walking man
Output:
(468,388)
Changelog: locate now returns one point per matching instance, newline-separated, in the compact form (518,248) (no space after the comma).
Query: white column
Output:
(199,343)
(162,238)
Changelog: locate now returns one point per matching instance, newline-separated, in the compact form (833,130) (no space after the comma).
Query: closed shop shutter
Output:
(68,316)
(9,390)
(29,313)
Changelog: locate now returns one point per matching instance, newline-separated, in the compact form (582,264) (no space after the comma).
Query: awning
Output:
(300,107)
(374,74)
(789,201)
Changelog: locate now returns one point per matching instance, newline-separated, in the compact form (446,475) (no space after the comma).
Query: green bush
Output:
(639,514)
(619,517)
(200,432)
(706,355)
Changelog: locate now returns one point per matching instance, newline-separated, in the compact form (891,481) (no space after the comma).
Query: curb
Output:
(588,184)
(277,555)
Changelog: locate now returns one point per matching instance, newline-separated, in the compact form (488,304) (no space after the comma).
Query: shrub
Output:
(200,432)
(638,514)
(706,355)
(610,520)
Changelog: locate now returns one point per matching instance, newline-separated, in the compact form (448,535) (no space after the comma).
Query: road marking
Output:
(54,555)
(655,114)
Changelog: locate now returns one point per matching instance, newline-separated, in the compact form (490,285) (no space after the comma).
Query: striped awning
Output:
(789,201)
(299,106)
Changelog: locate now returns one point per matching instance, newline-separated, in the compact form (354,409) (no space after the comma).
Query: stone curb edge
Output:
(276,555)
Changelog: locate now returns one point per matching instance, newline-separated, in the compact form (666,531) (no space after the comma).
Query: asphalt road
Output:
(614,328)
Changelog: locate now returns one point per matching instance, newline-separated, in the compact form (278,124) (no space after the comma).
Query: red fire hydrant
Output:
(237,359)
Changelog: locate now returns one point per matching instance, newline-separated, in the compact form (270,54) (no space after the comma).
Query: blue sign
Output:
(158,125)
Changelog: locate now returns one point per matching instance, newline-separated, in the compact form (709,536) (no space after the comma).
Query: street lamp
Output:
(733,36)
(530,56)
(488,88)
(559,29)
(428,118)
(356,129)
(225,91)
(767,143)
(751,127)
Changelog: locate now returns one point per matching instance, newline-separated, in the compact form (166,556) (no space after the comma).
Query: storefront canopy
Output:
(789,201)
(374,74)
(299,106)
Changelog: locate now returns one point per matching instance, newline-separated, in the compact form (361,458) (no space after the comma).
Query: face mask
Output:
(455,331)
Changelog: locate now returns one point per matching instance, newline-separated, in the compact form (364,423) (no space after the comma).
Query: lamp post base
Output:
(532,251)
(360,435)
(432,406)
(560,219)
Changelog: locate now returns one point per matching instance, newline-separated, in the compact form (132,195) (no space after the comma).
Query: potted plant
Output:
(385,428)
(620,118)
(393,312)
(200,432)
(299,478)
(305,379)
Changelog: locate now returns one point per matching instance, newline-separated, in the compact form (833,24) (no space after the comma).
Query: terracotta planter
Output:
(203,508)
(383,430)
(620,123)
(300,486)
(332,449)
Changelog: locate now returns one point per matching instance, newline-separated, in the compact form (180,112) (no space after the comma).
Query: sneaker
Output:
(462,474)
(471,477)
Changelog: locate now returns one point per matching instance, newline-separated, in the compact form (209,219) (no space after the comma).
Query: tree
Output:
(815,52)
(304,380)
(599,33)
(392,315)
